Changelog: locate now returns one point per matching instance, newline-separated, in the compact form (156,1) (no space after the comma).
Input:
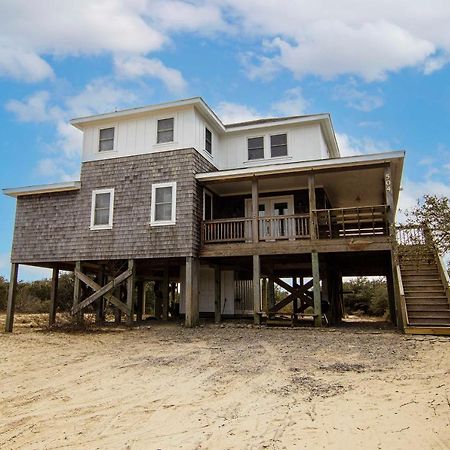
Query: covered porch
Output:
(327,200)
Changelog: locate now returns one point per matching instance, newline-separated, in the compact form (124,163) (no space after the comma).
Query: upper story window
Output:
(165,130)
(255,148)
(208,141)
(102,209)
(163,210)
(106,139)
(278,145)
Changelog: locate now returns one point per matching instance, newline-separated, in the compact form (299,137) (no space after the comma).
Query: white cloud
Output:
(292,103)
(357,98)
(230,112)
(138,67)
(350,146)
(331,38)
(33,109)
(62,161)
(23,65)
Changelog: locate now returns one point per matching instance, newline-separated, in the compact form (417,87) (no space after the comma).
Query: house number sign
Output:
(388,182)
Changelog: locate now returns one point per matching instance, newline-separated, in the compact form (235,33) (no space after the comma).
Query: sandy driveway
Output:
(165,387)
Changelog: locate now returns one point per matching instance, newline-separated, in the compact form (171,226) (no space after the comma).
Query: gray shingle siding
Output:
(56,227)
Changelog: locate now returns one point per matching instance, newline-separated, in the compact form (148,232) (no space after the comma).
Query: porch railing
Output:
(329,223)
(270,228)
(352,222)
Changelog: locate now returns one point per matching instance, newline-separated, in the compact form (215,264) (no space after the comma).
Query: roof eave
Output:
(42,189)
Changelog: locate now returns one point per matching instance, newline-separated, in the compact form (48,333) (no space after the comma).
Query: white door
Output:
(271,211)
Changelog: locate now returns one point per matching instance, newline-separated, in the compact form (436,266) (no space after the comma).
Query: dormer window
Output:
(165,130)
(106,139)
(278,145)
(208,141)
(255,148)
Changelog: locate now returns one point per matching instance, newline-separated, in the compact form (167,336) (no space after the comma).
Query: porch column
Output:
(12,291)
(77,293)
(165,293)
(130,291)
(217,294)
(294,303)
(389,194)
(192,306)
(265,303)
(256,290)
(53,296)
(312,206)
(255,210)
(316,289)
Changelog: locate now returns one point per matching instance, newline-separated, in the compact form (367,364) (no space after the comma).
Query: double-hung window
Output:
(102,209)
(106,139)
(208,141)
(163,209)
(165,130)
(255,148)
(278,145)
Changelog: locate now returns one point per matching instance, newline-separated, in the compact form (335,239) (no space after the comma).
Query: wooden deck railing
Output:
(330,224)
(407,235)
(269,228)
(351,222)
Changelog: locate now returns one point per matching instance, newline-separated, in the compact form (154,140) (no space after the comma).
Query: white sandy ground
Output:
(166,387)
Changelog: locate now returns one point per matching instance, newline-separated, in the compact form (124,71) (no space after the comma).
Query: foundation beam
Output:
(12,292)
(256,290)
(192,303)
(165,293)
(217,295)
(77,293)
(316,289)
(53,297)
(130,291)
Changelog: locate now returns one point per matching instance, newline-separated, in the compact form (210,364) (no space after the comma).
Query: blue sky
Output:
(381,70)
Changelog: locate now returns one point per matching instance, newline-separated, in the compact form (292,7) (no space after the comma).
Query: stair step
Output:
(428,308)
(428,322)
(426,289)
(429,314)
(424,303)
(420,284)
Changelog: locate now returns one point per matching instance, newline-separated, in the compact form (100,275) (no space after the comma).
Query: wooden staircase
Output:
(424,290)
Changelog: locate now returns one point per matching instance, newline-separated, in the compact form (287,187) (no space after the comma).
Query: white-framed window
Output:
(255,147)
(165,130)
(102,209)
(106,139)
(208,141)
(278,145)
(164,203)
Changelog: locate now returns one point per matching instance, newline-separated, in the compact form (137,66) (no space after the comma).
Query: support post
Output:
(192,305)
(389,194)
(391,296)
(77,293)
(256,290)
(12,291)
(255,210)
(312,206)
(140,301)
(265,303)
(271,289)
(294,303)
(53,297)
(165,293)
(316,287)
(217,295)
(130,291)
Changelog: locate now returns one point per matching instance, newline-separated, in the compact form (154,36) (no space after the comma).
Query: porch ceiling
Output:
(359,184)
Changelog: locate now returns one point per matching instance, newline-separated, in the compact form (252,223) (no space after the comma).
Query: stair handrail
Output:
(401,291)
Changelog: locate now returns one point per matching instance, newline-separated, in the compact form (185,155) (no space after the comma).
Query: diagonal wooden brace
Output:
(102,291)
(295,293)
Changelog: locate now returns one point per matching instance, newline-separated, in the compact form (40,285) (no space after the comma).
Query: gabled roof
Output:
(323,119)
